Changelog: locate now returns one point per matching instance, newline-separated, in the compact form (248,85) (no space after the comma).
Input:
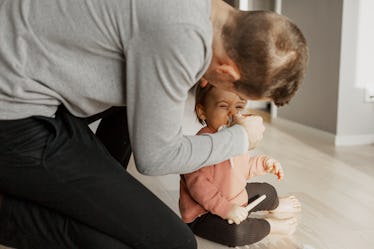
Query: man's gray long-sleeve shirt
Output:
(90,55)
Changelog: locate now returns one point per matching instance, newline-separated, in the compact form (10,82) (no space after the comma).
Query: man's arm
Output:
(160,70)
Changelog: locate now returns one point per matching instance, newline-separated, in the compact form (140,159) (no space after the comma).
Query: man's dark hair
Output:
(270,52)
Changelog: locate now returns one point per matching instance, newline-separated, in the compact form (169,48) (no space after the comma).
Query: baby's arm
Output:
(260,165)
(204,192)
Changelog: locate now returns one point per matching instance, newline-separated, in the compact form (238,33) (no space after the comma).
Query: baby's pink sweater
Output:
(218,187)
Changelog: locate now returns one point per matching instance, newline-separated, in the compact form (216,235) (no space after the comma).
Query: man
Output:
(62,61)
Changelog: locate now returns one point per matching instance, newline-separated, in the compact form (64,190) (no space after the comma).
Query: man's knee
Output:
(190,243)
(186,239)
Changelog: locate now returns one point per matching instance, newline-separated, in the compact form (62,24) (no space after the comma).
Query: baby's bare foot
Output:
(287,207)
(282,227)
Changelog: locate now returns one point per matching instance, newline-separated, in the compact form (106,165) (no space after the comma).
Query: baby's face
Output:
(220,106)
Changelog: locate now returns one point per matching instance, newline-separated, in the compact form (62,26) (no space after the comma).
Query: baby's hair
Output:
(201,94)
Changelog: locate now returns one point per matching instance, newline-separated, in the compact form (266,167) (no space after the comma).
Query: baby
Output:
(215,196)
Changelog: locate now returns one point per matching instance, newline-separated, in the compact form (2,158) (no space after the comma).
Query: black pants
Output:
(249,231)
(65,190)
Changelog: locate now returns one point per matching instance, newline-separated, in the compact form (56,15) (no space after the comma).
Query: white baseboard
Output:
(330,138)
(354,139)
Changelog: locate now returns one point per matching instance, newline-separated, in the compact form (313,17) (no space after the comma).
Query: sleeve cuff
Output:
(241,136)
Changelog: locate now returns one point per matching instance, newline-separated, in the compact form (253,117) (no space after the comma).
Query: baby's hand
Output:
(274,167)
(237,214)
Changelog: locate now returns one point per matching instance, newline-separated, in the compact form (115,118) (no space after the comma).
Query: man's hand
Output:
(237,214)
(254,126)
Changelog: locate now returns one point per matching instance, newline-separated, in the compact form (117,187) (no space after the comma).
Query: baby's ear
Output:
(200,111)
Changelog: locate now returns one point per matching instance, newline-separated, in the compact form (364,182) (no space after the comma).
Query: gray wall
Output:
(329,98)
(316,102)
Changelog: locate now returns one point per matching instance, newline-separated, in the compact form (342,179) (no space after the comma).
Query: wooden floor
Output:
(334,185)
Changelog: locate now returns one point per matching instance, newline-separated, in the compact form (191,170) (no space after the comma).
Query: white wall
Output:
(365,39)
(355,124)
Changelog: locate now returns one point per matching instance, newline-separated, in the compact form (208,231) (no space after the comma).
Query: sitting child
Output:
(215,196)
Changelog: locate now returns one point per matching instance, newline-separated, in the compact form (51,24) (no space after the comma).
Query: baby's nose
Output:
(233,111)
